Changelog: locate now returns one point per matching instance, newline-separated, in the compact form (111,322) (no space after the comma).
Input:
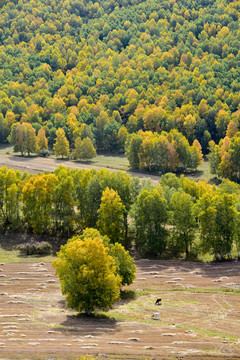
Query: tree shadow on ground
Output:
(82,324)
(23,158)
(95,323)
(214,269)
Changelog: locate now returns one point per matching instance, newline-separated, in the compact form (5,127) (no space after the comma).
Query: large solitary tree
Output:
(87,275)
(124,263)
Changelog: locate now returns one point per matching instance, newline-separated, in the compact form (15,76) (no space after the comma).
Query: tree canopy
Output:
(107,70)
(87,275)
(178,217)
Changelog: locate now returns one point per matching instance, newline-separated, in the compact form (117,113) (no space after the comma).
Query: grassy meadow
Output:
(120,162)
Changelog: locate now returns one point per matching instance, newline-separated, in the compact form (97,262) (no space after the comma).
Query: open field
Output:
(199,315)
(36,165)
(106,160)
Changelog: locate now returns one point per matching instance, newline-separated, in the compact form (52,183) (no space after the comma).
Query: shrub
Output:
(35,248)
(44,152)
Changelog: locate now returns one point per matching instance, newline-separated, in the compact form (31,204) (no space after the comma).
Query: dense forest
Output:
(157,80)
(109,69)
(176,218)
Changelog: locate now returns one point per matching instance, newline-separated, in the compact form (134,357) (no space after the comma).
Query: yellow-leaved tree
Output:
(111,216)
(42,142)
(124,263)
(84,149)
(23,138)
(61,146)
(87,275)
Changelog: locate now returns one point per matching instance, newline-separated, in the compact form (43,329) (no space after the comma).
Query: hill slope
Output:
(151,65)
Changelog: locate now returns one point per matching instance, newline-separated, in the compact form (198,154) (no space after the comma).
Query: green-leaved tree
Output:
(150,215)
(84,149)
(183,220)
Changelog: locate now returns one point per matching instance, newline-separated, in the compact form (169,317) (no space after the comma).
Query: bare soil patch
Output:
(199,315)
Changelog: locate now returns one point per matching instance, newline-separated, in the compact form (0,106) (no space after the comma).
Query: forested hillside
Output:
(107,69)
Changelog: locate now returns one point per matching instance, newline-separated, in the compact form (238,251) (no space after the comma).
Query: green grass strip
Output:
(209,332)
(203,291)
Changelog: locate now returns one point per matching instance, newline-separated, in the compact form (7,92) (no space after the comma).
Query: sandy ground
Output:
(198,317)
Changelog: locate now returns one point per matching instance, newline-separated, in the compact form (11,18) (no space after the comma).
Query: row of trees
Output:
(172,66)
(23,138)
(181,210)
(145,150)
(224,158)
(163,219)
(162,153)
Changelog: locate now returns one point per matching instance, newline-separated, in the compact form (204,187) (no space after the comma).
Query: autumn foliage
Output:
(162,220)
(107,70)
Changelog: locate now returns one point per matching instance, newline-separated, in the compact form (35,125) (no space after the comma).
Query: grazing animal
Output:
(155,316)
(158,302)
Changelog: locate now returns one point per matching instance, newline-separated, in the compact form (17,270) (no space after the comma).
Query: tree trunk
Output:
(186,248)
(126,231)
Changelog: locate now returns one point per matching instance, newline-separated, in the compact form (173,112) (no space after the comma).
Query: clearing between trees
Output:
(36,165)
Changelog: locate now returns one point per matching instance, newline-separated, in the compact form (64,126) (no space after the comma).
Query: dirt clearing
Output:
(199,315)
